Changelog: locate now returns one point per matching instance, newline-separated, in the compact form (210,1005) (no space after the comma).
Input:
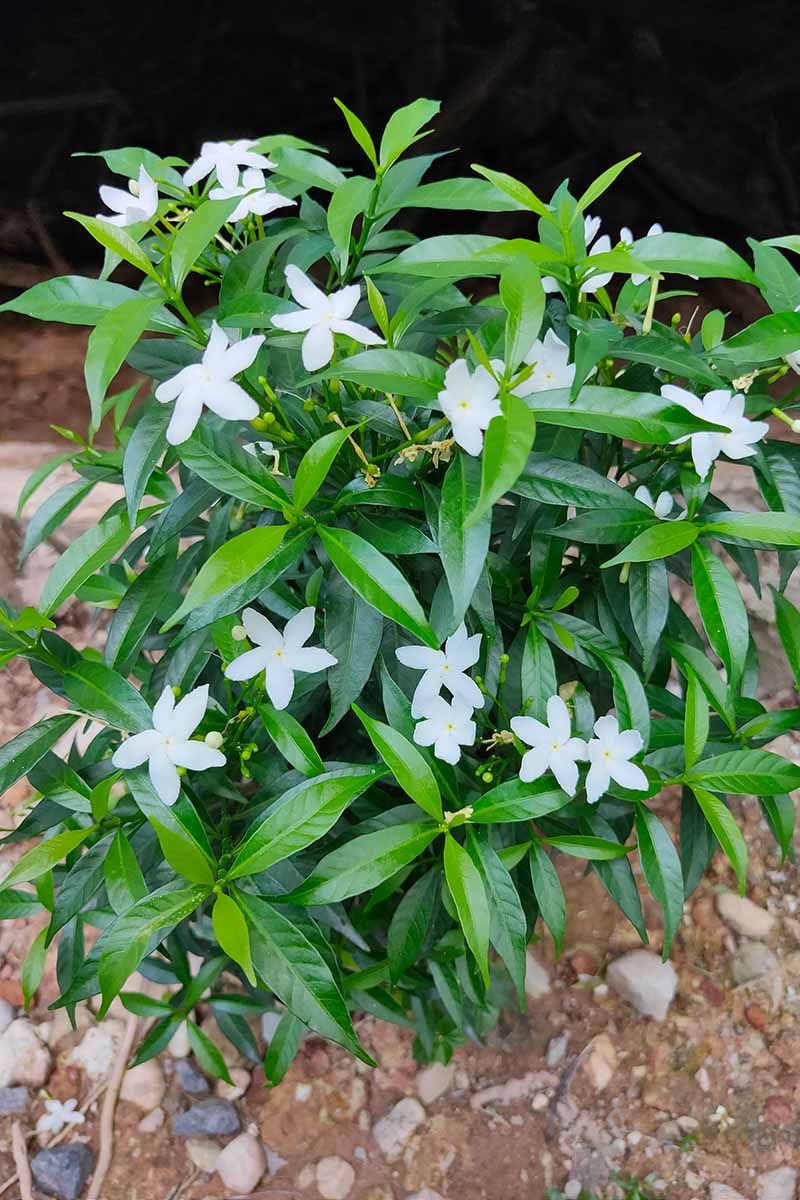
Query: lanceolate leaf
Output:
(363,863)
(726,831)
(508,930)
(411,923)
(506,447)
(549,896)
(22,753)
(746,772)
(463,549)
(722,610)
(661,867)
(468,893)
(406,764)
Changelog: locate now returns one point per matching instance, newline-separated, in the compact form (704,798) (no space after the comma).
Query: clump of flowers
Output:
(387,590)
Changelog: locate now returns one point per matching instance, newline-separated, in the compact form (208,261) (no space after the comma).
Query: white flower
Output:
(256,198)
(591,228)
(166,746)
(609,753)
(553,747)
(793,359)
(322,316)
(268,450)
(626,236)
(139,204)
(58,1115)
(444,668)
(225,158)
(469,402)
(721,408)
(662,506)
(210,383)
(446,727)
(279,655)
(552,366)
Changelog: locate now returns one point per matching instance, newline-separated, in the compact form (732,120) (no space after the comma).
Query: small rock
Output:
(721,1191)
(209,1118)
(426,1193)
(433,1081)
(777,1185)
(63,1170)
(242,1163)
(269,1023)
(189,1079)
(144,1085)
(556,1049)
(584,963)
(393,1130)
(787,1049)
(153,1121)
(757,1016)
(13,1100)
(572,1189)
(98,1048)
(335,1178)
(644,981)
(6,1015)
(703,1079)
(24,1060)
(179,1046)
(744,917)
(601,1061)
(204,1153)
(777,1110)
(751,961)
(240,1079)
(537,980)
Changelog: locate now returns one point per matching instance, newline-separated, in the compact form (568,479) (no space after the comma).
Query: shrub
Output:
(389,590)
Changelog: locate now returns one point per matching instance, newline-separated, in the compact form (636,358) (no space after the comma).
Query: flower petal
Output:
(231,402)
(196,756)
(171,388)
(420,658)
(299,628)
(304,291)
(162,710)
(310,659)
(136,750)
(463,689)
(317,349)
(295,322)
(188,713)
(447,748)
(241,355)
(164,777)
(426,691)
(597,782)
(249,664)
(343,302)
(606,729)
(534,764)
(260,629)
(360,333)
(187,412)
(279,682)
(629,775)
(531,731)
(565,771)
(558,719)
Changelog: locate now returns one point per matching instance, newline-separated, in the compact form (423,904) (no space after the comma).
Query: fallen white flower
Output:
(58,1115)
(278,654)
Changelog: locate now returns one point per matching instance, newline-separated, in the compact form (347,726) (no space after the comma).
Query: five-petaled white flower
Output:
(469,402)
(210,383)
(322,316)
(626,236)
(139,204)
(661,506)
(552,746)
(721,408)
(444,668)
(225,158)
(591,227)
(58,1115)
(447,727)
(279,655)
(793,359)
(609,753)
(256,196)
(167,745)
(552,366)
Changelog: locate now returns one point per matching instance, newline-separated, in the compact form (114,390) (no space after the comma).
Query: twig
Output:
(21,1162)
(109,1107)
(175,1192)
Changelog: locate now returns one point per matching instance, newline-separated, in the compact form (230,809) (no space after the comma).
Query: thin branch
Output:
(110,1105)
(21,1162)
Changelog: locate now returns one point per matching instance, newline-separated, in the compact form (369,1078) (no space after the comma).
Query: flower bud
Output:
(487,777)
(213,739)
(239,633)
(176,691)
(259,423)
(504,659)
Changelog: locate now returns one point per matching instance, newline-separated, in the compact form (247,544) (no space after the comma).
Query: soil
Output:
(710,1095)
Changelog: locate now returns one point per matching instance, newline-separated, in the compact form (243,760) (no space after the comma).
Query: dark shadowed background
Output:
(710,93)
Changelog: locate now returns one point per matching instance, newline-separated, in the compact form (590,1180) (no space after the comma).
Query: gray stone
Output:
(24,1059)
(393,1131)
(744,917)
(647,983)
(13,1100)
(6,1014)
(537,980)
(433,1081)
(189,1079)
(62,1171)
(721,1191)
(751,961)
(209,1118)
(777,1185)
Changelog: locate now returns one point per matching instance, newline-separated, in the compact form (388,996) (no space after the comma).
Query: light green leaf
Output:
(194,235)
(661,868)
(117,241)
(110,341)
(466,888)
(463,548)
(506,448)
(230,930)
(359,131)
(363,863)
(726,831)
(657,542)
(406,764)
(19,756)
(315,464)
(722,611)
(402,129)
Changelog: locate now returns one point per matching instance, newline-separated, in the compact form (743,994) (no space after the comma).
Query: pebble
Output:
(6,1014)
(721,1191)
(203,1152)
(240,1079)
(425,1193)
(24,1059)
(144,1085)
(777,1185)
(13,1100)
(572,1189)
(757,1016)
(335,1178)
(394,1129)
(751,961)
(744,917)
(208,1118)
(556,1049)
(179,1046)
(787,1049)
(644,981)
(242,1163)
(537,980)
(62,1171)
(189,1079)
(153,1121)
(269,1023)
(97,1050)
(433,1081)
(601,1062)
(777,1110)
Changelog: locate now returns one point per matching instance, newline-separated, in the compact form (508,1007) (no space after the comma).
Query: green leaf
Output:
(349,201)
(286,956)
(76,300)
(23,752)
(142,453)
(667,354)
(557,481)
(746,772)
(518,801)
(207,1054)
(463,550)
(182,854)
(591,848)
(236,560)
(33,968)
(549,895)
(406,764)
(181,820)
(377,581)
(300,817)
(466,888)
(520,192)
(459,195)
(451,256)
(283,1047)
(661,868)
(685,254)
(693,662)
(117,241)
(639,416)
(291,740)
(787,622)
(781,816)
(523,298)
(310,170)
(123,876)
(603,183)
(109,344)
(397,371)
(726,831)
(766,339)
(52,513)
(537,673)
(411,924)
(360,865)
(353,631)
(226,466)
(506,448)
(360,133)
(659,541)
(772,528)
(722,611)
(230,930)
(200,228)
(648,592)
(508,931)
(15,904)
(315,464)
(136,612)
(695,725)
(402,129)
(100,692)
(44,856)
